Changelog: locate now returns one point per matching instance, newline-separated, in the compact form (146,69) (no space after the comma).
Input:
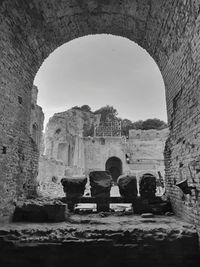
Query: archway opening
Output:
(85,72)
(114,166)
(94,68)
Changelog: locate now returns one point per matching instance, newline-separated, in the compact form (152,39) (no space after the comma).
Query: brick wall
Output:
(37,120)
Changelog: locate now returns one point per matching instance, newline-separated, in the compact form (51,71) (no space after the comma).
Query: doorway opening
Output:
(114,166)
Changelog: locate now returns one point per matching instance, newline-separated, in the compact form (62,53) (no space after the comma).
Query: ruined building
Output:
(64,153)
(169,32)
(77,144)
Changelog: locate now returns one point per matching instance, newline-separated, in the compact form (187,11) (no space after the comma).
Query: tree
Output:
(85,108)
(107,113)
(148,124)
(75,107)
(138,125)
(126,126)
(110,113)
(153,124)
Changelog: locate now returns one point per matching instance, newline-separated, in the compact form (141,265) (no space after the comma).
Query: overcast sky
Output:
(99,70)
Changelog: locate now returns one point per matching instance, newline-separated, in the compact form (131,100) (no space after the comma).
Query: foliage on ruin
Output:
(109,113)
(84,108)
(148,124)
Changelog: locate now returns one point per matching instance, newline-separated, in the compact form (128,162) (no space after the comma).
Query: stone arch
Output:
(152,173)
(114,166)
(148,173)
(31,30)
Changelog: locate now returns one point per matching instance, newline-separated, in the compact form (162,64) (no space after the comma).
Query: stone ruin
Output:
(72,148)
(169,31)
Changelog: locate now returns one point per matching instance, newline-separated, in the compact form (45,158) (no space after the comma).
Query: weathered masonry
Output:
(70,148)
(31,30)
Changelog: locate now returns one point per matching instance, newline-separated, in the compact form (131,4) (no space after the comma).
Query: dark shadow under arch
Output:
(114,166)
(148,186)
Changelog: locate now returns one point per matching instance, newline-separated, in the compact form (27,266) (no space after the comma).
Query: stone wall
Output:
(37,121)
(64,133)
(98,150)
(144,150)
(64,149)
(149,135)
(50,173)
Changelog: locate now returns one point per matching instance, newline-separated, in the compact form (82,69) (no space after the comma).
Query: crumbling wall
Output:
(182,158)
(183,102)
(142,152)
(64,150)
(64,134)
(37,120)
(49,176)
(99,149)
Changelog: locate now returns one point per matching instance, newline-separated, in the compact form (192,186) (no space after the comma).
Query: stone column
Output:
(101,182)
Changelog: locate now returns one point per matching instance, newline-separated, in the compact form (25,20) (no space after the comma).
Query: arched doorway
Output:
(114,166)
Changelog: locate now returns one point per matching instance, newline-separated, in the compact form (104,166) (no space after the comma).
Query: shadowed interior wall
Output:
(31,30)
(114,166)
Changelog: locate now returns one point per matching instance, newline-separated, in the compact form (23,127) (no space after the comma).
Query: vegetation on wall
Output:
(107,113)
(110,113)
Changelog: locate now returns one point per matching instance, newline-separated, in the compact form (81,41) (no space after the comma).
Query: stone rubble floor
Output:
(100,240)
(96,226)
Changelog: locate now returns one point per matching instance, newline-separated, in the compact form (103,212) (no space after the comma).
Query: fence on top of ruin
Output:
(108,129)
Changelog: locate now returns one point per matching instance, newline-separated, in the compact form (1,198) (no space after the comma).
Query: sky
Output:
(99,70)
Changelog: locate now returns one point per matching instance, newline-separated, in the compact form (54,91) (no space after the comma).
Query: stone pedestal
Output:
(40,210)
(148,186)
(127,186)
(74,187)
(101,182)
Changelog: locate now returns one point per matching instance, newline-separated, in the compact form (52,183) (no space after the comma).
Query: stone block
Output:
(147,215)
(148,186)
(40,210)
(127,186)
(74,186)
(156,206)
(100,182)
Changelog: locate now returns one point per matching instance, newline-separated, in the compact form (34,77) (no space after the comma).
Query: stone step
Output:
(92,240)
